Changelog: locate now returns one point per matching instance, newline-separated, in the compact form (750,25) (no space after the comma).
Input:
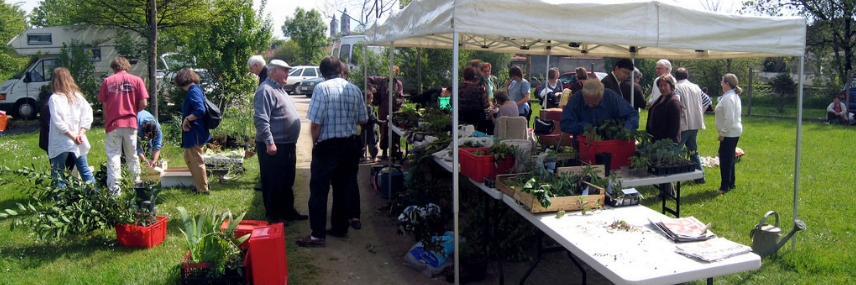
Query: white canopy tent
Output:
(611,28)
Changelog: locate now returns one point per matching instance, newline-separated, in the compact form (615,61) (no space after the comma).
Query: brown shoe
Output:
(308,241)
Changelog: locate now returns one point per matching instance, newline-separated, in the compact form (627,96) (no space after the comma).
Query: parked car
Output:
(569,78)
(307,86)
(208,82)
(299,74)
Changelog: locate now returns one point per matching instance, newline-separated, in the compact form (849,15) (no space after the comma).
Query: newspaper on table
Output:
(712,250)
(683,229)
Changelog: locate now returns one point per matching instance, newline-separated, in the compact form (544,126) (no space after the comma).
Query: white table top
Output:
(644,256)
(492,192)
(396,130)
(633,181)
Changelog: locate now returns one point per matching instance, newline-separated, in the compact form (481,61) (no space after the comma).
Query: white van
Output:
(18,95)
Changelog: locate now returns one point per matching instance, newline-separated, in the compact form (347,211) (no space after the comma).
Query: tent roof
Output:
(572,28)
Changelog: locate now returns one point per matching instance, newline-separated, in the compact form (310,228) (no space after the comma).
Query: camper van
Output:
(344,49)
(18,95)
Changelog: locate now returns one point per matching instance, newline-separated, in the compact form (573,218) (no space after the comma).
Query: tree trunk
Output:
(153,57)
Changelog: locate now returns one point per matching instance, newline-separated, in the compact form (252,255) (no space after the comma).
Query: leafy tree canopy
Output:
(308,30)
(12,23)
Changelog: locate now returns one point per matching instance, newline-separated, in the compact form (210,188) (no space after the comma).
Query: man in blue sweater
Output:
(594,104)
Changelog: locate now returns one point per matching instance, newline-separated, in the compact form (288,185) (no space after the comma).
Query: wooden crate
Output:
(506,189)
(577,170)
(567,203)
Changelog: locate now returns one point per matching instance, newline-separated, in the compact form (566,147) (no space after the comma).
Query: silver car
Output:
(299,74)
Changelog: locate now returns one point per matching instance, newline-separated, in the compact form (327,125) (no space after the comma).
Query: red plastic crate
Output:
(137,236)
(267,263)
(477,167)
(193,273)
(621,151)
(244,227)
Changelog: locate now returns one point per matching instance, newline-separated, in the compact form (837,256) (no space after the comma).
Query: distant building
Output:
(334,26)
(346,23)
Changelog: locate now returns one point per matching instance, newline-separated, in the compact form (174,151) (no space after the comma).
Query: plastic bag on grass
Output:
(431,263)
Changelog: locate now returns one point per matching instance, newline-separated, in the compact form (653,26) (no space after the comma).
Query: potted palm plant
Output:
(213,255)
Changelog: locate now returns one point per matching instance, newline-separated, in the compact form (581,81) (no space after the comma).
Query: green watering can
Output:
(765,237)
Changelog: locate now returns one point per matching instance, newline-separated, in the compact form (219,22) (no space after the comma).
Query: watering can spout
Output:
(799,225)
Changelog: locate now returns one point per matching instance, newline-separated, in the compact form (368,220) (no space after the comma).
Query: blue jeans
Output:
(690,139)
(334,162)
(58,169)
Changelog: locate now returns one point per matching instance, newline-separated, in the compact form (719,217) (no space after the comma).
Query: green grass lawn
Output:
(765,181)
(98,258)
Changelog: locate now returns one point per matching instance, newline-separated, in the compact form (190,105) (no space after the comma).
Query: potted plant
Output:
(139,226)
(56,213)
(213,255)
(639,165)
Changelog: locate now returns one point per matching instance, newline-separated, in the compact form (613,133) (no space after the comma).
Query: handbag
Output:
(543,127)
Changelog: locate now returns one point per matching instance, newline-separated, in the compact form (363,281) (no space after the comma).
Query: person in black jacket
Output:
(638,99)
(44,130)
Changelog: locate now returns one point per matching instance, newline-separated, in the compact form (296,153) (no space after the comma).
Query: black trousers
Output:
(334,162)
(277,175)
(727,147)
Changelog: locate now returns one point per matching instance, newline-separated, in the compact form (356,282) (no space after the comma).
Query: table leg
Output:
(541,251)
(537,259)
(579,266)
(678,200)
(677,210)
(489,239)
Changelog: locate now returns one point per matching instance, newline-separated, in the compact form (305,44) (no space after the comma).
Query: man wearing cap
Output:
(277,128)
(335,111)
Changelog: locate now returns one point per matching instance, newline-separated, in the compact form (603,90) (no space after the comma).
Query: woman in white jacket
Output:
(729,126)
(71,117)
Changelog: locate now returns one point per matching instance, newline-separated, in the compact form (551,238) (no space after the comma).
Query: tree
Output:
(831,29)
(287,51)
(308,30)
(784,88)
(369,10)
(225,43)
(12,23)
(78,60)
(129,15)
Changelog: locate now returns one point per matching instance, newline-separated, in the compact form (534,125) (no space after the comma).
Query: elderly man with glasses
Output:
(593,105)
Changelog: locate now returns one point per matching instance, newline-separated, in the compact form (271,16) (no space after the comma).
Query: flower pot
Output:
(551,166)
(490,182)
(139,236)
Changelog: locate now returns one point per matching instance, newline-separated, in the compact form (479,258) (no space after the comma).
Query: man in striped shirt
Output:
(336,109)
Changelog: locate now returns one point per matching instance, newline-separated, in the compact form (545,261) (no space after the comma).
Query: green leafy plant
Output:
(639,162)
(612,129)
(424,223)
(61,212)
(407,115)
(207,243)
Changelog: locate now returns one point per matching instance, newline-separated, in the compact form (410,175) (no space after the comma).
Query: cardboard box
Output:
(176,177)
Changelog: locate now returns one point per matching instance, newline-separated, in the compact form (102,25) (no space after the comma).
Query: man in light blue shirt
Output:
(149,134)
(336,109)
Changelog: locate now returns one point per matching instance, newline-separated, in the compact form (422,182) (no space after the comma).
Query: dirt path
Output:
(374,254)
